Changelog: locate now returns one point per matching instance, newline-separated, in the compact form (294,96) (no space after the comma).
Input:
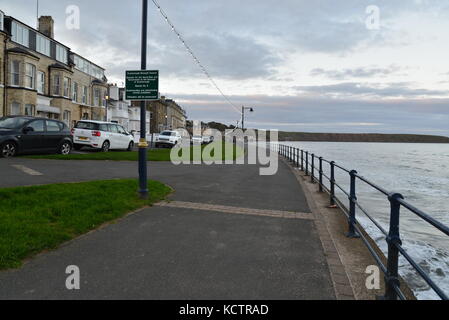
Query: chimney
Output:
(46,26)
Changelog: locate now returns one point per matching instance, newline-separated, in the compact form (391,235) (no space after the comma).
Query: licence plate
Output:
(83,138)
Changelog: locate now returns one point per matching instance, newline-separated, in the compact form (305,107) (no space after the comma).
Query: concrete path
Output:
(228,234)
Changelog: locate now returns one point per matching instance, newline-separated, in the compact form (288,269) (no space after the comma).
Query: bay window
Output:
(41,82)
(30,75)
(15,73)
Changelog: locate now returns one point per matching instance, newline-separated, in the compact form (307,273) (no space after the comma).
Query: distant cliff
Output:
(361,137)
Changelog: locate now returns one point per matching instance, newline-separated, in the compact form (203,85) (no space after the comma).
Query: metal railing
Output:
(305,161)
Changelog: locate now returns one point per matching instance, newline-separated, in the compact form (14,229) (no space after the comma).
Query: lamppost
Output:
(143,144)
(243,115)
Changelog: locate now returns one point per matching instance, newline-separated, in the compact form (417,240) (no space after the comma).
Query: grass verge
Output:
(33,219)
(229,152)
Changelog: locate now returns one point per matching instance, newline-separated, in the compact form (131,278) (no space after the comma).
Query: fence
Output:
(307,162)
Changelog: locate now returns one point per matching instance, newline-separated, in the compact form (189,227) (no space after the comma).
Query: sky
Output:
(309,66)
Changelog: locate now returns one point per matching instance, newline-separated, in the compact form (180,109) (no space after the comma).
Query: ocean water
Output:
(420,172)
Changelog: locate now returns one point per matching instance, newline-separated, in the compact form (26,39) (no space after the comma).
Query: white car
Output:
(197,140)
(168,139)
(208,139)
(101,135)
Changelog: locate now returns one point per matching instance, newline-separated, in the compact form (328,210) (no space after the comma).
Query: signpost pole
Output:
(143,144)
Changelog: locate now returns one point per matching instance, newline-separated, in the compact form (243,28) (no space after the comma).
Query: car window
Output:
(87,125)
(53,126)
(13,123)
(104,127)
(113,128)
(121,130)
(38,125)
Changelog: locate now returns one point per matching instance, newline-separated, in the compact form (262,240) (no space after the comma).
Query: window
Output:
(20,34)
(57,84)
(85,116)
(2,17)
(61,54)
(15,73)
(84,95)
(113,128)
(42,45)
(97,94)
(121,130)
(30,74)
(66,87)
(29,110)
(38,126)
(15,109)
(53,126)
(41,82)
(87,125)
(75,92)
(66,117)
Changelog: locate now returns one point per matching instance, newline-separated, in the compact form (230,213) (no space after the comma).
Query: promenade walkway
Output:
(227,233)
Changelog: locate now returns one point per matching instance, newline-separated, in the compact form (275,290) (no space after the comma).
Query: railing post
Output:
(290,149)
(352,199)
(302,160)
(307,163)
(312,176)
(393,239)
(321,175)
(297,157)
(332,184)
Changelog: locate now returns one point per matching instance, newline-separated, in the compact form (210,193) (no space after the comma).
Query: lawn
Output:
(229,152)
(33,219)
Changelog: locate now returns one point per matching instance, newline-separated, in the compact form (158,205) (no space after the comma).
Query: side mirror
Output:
(27,129)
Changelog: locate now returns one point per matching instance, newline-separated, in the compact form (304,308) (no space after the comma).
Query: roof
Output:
(22,51)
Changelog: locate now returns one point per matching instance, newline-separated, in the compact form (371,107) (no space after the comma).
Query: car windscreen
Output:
(168,134)
(87,125)
(13,123)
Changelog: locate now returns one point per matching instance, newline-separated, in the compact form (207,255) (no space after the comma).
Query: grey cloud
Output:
(370,90)
(361,72)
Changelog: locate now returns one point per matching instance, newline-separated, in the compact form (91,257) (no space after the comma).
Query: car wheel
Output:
(8,150)
(131,146)
(65,148)
(106,146)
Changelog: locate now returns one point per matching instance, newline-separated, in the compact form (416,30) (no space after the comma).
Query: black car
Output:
(22,134)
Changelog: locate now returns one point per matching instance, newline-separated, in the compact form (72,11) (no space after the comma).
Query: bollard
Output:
(312,176)
(321,174)
(393,239)
(307,163)
(352,199)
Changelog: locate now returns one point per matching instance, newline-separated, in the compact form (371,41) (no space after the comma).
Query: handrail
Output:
(300,158)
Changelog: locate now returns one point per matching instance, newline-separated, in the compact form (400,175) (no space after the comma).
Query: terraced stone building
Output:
(40,76)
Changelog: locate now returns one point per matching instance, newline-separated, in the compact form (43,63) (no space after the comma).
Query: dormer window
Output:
(42,45)
(61,54)
(20,34)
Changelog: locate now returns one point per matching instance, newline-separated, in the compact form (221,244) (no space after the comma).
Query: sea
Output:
(420,172)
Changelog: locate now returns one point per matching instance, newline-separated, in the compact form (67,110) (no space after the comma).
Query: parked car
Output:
(23,134)
(197,140)
(208,139)
(101,135)
(168,139)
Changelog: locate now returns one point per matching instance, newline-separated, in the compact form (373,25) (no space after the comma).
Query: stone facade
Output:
(166,114)
(48,85)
